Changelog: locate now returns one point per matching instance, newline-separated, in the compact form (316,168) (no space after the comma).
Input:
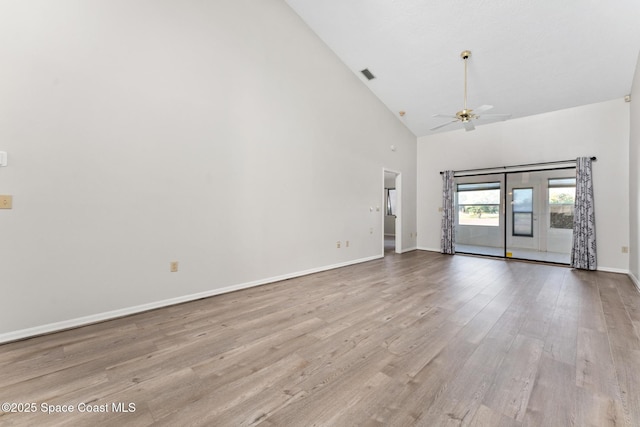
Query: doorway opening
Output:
(391,212)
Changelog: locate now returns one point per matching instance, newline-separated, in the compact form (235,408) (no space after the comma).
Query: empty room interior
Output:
(340,213)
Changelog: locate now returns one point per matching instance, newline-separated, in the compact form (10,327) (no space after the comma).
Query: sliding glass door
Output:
(480,223)
(540,215)
(523,215)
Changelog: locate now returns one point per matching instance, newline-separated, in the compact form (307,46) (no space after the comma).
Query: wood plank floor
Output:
(419,339)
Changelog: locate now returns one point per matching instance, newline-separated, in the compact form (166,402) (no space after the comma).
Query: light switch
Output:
(6,202)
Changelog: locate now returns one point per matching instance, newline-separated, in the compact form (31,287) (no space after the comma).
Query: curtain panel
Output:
(583,252)
(447,237)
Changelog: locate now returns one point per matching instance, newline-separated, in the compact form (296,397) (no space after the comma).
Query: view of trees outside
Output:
(479,207)
(562,196)
(561,205)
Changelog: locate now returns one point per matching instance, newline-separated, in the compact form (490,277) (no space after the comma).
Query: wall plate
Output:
(6,202)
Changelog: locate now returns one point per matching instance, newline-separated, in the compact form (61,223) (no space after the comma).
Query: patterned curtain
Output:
(583,253)
(447,237)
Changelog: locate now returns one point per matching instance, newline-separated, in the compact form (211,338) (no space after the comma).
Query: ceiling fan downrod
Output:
(465,55)
(466,116)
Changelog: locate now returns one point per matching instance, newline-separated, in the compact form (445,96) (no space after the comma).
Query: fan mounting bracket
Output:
(465,54)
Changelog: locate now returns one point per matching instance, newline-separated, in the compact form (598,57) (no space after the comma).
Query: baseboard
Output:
(422,248)
(635,280)
(613,270)
(408,250)
(110,315)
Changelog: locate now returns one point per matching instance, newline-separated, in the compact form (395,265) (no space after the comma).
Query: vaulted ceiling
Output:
(528,57)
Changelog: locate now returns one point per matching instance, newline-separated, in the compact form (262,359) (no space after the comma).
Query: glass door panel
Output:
(480,210)
(539,215)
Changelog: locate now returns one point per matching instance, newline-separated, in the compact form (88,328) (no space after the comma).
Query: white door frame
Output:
(398,208)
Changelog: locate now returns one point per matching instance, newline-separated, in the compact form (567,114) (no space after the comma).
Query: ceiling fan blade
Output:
(444,116)
(468,125)
(494,116)
(482,108)
(444,124)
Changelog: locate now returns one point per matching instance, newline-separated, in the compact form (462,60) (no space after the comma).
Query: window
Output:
(391,201)
(479,204)
(562,194)
(522,211)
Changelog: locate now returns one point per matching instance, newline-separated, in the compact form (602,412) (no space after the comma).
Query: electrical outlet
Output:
(174,266)
(338,245)
(625,249)
(6,202)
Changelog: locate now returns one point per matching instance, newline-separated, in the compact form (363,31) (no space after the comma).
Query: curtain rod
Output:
(519,166)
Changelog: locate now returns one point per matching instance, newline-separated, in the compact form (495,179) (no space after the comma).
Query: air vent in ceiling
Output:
(368,74)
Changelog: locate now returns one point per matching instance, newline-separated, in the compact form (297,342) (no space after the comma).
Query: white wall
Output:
(634,179)
(600,130)
(389,225)
(224,135)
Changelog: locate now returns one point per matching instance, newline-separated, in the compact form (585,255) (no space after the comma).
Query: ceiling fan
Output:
(467,115)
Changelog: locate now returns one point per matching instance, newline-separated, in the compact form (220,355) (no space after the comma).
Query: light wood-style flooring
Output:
(419,339)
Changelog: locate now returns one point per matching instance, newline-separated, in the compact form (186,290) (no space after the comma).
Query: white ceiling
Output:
(528,56)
